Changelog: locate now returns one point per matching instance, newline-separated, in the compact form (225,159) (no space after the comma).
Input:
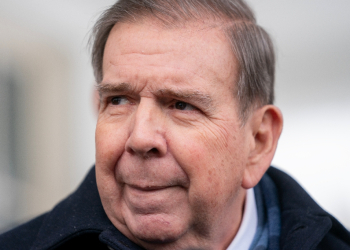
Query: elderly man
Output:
(185,134)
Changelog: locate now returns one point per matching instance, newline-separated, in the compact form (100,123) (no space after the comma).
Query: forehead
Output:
(197,46)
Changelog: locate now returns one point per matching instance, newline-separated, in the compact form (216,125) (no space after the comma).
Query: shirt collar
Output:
(247,229)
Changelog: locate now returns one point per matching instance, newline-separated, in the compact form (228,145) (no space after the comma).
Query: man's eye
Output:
(119,100)
(184,106)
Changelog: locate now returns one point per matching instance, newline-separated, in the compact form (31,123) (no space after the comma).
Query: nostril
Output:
(154,151)
(151,153)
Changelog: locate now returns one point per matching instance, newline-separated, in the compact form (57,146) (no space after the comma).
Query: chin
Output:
(158,238)
(156,230)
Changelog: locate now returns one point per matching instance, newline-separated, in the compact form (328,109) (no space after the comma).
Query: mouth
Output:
(149,188)
(151,199)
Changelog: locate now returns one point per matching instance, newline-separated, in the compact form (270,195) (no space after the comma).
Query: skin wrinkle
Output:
(184,34)
(192,96)
(211,17)
(218,137)
(193,73)
(225,25)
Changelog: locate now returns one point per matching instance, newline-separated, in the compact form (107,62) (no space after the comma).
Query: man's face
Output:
(170,149)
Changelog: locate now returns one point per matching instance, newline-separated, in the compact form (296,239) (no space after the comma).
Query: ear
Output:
(264,128)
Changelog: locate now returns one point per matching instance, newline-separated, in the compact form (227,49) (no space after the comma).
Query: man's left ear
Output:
(264,127)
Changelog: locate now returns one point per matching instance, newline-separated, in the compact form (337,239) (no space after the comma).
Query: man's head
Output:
(250,44)
(173,153)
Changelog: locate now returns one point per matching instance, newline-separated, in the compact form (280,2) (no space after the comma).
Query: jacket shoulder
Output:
(338,237)
(22,237)
(305,225)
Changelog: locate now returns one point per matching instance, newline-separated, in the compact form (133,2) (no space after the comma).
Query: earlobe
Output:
(265,127)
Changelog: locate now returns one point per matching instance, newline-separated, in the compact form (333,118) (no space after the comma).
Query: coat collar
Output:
(80,213)
(304,223)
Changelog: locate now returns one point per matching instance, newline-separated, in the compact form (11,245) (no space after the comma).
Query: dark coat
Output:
(79,222)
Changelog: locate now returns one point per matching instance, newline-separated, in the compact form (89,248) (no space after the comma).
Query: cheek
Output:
(110,144)
(214,152)
(213,159)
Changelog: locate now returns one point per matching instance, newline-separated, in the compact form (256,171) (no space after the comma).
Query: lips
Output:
(150,199)
(149,188)
(148,191)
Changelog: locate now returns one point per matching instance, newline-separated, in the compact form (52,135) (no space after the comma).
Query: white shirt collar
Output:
(249,224)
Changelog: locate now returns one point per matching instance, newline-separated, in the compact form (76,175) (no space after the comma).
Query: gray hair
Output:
(250,43)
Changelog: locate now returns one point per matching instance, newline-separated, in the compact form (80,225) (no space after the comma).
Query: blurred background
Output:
(47,117)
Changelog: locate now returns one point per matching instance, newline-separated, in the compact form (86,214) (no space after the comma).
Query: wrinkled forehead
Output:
(194,45)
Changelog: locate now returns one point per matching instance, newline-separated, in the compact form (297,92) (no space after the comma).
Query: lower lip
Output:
(150,200)
(143,193)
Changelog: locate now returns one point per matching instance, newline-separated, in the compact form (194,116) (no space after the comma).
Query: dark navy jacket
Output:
(79,222)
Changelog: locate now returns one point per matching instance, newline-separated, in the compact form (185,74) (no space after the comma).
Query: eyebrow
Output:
(108,88)
(194,95)
(185,95)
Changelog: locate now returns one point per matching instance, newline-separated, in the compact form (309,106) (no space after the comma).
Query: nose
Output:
(147,138)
